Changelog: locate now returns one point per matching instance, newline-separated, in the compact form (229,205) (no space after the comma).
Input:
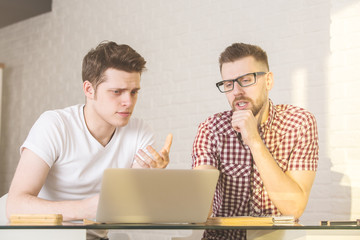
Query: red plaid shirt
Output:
(290,134)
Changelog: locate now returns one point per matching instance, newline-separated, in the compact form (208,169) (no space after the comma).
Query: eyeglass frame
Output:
(236,80)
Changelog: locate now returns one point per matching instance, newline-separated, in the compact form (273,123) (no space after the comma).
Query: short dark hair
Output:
(110,55)
(240,50)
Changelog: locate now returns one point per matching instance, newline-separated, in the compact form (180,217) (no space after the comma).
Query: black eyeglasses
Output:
(245,80)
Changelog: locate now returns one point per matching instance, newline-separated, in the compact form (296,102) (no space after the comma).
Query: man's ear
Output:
(269,81)
(88,90)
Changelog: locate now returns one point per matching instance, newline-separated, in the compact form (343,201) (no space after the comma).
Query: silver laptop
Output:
(156,195)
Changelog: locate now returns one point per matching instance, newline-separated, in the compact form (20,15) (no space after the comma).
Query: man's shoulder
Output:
(287,114)
(218,122)
(71,110)
(70,115)
(292,110)
(219,117)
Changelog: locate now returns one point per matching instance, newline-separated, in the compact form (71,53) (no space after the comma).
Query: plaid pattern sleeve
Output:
(205,147)
(292,138)
(306,149)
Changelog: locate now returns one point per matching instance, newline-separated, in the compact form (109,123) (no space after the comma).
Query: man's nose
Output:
(126,99)
(238,90)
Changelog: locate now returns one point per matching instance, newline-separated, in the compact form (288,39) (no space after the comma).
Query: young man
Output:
(64,156)
(267,154)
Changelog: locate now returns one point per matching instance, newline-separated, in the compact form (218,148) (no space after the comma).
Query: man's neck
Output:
(263,114)
(99,129)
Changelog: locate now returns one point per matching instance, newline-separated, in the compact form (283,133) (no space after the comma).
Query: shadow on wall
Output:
(340,193)
(330,197)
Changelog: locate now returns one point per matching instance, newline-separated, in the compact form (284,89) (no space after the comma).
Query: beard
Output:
(256,106)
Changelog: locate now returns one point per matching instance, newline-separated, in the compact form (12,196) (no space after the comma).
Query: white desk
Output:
(36,234)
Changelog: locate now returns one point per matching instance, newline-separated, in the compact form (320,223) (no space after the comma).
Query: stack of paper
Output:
(284,220)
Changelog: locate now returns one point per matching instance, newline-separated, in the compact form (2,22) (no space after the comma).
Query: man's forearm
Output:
(288,194)
(71,210)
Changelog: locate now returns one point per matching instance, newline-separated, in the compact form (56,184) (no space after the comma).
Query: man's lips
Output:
(241,105)
(124,114)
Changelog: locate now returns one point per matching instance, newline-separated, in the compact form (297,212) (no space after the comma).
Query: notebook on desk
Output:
(156,195)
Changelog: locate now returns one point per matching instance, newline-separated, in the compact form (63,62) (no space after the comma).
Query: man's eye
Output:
(228,84)
(134,92)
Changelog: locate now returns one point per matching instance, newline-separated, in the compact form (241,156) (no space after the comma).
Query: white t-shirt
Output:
(76,159)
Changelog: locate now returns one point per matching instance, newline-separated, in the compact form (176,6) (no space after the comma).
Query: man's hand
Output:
(88,207)
(244,122)
(156,160)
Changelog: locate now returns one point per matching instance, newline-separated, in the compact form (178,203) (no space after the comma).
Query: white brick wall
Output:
(313,49)
(343,121)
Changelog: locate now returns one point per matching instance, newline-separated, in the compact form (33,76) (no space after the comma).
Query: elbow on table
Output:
(10,207)
(13,205)
(295,211)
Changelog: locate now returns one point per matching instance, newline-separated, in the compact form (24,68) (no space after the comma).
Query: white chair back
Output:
(3,218)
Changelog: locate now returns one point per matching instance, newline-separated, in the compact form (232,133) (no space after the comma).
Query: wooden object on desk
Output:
(240,221)
(36,219)
(89,222)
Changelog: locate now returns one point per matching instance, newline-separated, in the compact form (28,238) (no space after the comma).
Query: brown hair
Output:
(240,50)
(110,55)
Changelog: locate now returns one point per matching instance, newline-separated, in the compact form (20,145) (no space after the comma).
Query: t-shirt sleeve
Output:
(204,147)
(44,138)
(305,152)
